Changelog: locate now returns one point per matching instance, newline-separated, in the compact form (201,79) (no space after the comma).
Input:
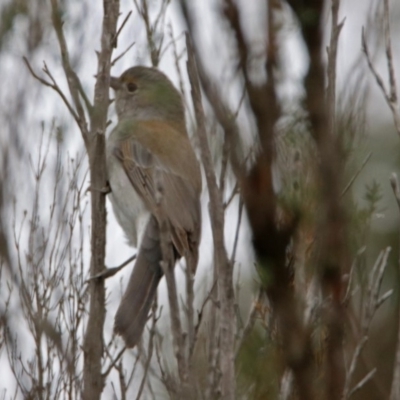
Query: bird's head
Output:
(146,93)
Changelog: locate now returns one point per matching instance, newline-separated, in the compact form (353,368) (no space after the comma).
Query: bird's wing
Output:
(164,171)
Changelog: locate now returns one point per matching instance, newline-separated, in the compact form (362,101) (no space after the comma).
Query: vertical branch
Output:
(271,239)
(332,57)
(332,227)
(224,268)
(93,341)
(94,139)
(395,389)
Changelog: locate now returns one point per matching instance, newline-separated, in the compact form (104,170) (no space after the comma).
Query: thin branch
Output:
(363,382)
(234,192)
(74,84)
(109,272)
(113,62)
(200,314)
(353,364)
(354,177)
(115,39)
(114,362)
(390,97)
(237,231)
(53,86)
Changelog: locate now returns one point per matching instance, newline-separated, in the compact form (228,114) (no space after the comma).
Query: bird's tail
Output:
(133,311)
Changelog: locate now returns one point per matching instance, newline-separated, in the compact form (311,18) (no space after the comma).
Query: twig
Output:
(151,28)
(363,381)
(113,362)
(54,86)
(351,274)
(348,186)
(234,192)
(113,62)
(74,84)
(391,96)
(115,38)
(353,364)
(370,305)
(108,272)
(237,231)
(200,315)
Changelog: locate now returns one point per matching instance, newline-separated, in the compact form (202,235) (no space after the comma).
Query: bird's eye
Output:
(131,87)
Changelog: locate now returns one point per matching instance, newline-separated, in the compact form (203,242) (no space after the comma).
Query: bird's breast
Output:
(128,207)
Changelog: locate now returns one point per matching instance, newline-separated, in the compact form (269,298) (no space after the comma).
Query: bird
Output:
(153,173)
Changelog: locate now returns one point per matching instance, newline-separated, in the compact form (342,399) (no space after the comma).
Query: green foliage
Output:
(259,367)
(373,194)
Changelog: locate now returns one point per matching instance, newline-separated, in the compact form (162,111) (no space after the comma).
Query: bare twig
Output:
(116,59)
(74,84)
(237,231)
(353,364)
(109,272)
(354,177)
(391,94)
(363,381)
(152,27)
(114,362)
(370,305)
(54,86)
(348,294)
(115,38)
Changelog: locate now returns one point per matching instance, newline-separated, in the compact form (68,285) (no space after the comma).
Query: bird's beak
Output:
(115,83)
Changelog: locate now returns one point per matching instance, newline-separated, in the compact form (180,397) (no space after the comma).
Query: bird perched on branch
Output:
(154,175)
